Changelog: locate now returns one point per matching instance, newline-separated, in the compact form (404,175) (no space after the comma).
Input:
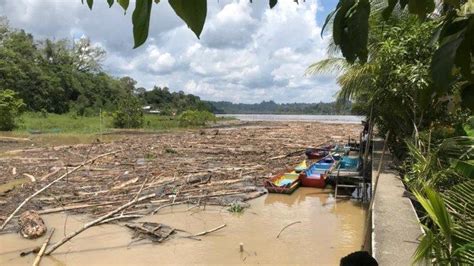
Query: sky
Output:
(247,53)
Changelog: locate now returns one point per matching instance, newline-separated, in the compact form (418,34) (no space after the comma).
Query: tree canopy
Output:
(59,76)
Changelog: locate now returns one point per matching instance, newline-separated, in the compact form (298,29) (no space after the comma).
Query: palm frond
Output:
(423,252)
(356,80)
(460,204)
(461,148)
(329,65)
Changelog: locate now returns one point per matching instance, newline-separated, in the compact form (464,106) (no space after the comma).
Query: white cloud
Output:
(247,52)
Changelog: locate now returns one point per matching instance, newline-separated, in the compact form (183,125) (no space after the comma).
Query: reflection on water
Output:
(328,230)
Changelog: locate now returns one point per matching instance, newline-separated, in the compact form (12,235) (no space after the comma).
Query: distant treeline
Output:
(171,102)
(270,107)
(61,76)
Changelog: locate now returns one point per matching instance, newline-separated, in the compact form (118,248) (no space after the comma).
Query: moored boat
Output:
(301,167)
(316,174)
(316,154)
(284,183)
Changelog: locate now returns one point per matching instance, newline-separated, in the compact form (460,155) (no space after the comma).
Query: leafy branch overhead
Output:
(350,28)
(192,12)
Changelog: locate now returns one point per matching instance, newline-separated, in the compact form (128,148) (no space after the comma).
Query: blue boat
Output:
(349,163)
(315,175)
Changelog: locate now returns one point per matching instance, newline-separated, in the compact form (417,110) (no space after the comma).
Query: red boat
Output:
(318,153)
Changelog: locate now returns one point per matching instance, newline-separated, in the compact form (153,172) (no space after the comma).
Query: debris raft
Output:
(206,166)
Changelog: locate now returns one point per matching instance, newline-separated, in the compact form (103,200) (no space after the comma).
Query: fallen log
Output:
(49,185)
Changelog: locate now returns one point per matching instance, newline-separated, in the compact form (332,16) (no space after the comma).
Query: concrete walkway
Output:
(395,226)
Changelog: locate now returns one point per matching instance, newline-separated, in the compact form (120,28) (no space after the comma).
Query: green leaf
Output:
(351,29)
(467,96)
(436,209)
(339,20)
(90,3)
(443,62)
(273,3)
(110,2)
(124,4)
(141,21)
(328,18)
(403,3)
(389,9)
(465,168)
(421,7)
(193,13)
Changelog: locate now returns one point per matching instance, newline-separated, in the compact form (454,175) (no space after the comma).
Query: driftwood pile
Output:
(206,166)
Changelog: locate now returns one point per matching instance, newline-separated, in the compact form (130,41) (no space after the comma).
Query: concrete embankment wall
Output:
(395,225)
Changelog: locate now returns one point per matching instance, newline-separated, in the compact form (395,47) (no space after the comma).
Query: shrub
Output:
(196,118)
(129,114)
(11,106)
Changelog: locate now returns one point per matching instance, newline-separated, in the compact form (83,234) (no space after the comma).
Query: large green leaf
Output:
(328,18)
(141,21)
(273,3)
(110,2)
(465,168)
(351,29)
(90,3)
(340,20)
(192,12)
(435,208)
(389,9)
(403,3)
(442,63)
(467,96)
(124,4)
(358,30)
(421,7)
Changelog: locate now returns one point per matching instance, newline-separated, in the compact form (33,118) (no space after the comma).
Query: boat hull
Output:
(284,183)
(317,181)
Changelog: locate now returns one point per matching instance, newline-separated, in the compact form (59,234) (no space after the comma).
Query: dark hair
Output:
(358,258)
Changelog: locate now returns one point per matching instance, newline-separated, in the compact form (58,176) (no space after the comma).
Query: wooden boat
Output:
(347,166)
(316,174)
(284,183)
(316,154)
(301,167)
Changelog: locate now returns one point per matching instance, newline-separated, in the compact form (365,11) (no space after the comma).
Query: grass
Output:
(69,129)
(67,123)
(236,207)
(469,130)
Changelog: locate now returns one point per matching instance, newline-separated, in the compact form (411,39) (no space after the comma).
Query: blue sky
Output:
(247,52)
(326,7)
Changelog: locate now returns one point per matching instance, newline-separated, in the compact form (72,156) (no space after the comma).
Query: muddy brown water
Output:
(328,230)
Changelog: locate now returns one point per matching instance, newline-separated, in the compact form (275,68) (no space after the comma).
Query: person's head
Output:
(358,258)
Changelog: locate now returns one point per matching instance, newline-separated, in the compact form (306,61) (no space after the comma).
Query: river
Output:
(338,119)
(324,230)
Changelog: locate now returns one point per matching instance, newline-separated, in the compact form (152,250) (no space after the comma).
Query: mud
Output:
(328,230)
